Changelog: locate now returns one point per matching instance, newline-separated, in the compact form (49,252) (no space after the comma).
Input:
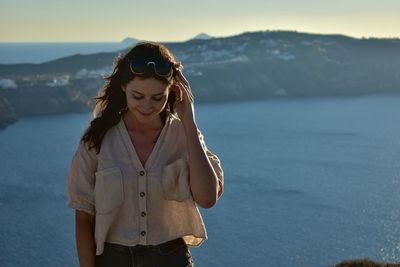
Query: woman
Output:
(142,168)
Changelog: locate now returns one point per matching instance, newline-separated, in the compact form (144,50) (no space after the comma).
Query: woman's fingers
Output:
(182,77)
(186,90)
(185,84)
(178,92)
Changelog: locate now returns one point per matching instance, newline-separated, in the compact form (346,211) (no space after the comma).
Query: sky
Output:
(180,20)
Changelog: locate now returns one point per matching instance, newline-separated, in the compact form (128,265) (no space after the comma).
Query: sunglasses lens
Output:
(161,68)
(138,66)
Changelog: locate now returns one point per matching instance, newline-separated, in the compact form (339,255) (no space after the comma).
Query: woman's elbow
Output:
(207,203)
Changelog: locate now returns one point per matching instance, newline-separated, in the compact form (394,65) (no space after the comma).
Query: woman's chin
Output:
(145,118)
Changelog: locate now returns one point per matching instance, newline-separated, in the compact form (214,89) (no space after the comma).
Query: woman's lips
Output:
(145,114)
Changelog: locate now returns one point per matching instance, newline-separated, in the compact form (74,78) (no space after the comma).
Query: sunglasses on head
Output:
(161,68)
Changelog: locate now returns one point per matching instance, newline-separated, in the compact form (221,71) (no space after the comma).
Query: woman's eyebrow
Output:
(139,93)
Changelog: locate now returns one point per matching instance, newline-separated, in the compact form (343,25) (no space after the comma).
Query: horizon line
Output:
(211,37)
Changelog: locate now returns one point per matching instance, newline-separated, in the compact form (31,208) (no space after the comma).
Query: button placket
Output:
(143,207)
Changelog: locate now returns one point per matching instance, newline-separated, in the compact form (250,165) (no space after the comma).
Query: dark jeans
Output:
(174,253)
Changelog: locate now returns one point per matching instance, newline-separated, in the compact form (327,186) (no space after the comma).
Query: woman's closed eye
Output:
(153,98)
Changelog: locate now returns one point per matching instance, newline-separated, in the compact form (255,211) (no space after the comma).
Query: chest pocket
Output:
(175,181)
(108,191)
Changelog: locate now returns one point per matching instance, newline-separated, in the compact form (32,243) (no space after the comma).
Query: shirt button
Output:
(143,233)
(143,214)
(141,173)
(142,194)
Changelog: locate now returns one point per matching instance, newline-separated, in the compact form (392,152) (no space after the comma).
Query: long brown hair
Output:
(111,104)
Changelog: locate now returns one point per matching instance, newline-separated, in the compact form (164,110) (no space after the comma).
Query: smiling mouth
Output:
(145,114)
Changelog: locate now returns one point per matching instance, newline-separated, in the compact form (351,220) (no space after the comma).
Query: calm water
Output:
(13,53)
(309,182)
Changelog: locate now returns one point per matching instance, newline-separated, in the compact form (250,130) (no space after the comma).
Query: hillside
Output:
(248,66)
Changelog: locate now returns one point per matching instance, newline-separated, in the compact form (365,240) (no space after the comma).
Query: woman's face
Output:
(146,98)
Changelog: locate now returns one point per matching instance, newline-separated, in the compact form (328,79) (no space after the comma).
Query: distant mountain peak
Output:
(130,40)
(202,36)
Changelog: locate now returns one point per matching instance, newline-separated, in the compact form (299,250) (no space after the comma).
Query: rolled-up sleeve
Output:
(81,180)
(216,164)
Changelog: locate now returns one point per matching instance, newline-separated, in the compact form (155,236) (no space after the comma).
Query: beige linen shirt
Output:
(136,204)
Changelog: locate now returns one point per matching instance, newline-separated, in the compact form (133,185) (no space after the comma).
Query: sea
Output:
(308,182)
(18,53)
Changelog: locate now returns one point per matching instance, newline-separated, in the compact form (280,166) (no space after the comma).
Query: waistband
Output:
(167,246)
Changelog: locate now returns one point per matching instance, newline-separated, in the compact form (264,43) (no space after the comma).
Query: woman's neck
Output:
(132,124)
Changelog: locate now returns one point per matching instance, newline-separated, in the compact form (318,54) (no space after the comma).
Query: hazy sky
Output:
(179,20)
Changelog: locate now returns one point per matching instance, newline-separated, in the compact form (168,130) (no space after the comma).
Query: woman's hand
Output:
(204,182)
(184,104)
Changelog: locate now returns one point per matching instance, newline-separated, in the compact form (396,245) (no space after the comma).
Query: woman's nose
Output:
(146,103)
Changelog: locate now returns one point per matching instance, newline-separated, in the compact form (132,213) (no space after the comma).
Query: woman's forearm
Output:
(84,231)
(203,179)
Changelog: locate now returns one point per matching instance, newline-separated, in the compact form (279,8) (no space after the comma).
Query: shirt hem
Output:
(204,238)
